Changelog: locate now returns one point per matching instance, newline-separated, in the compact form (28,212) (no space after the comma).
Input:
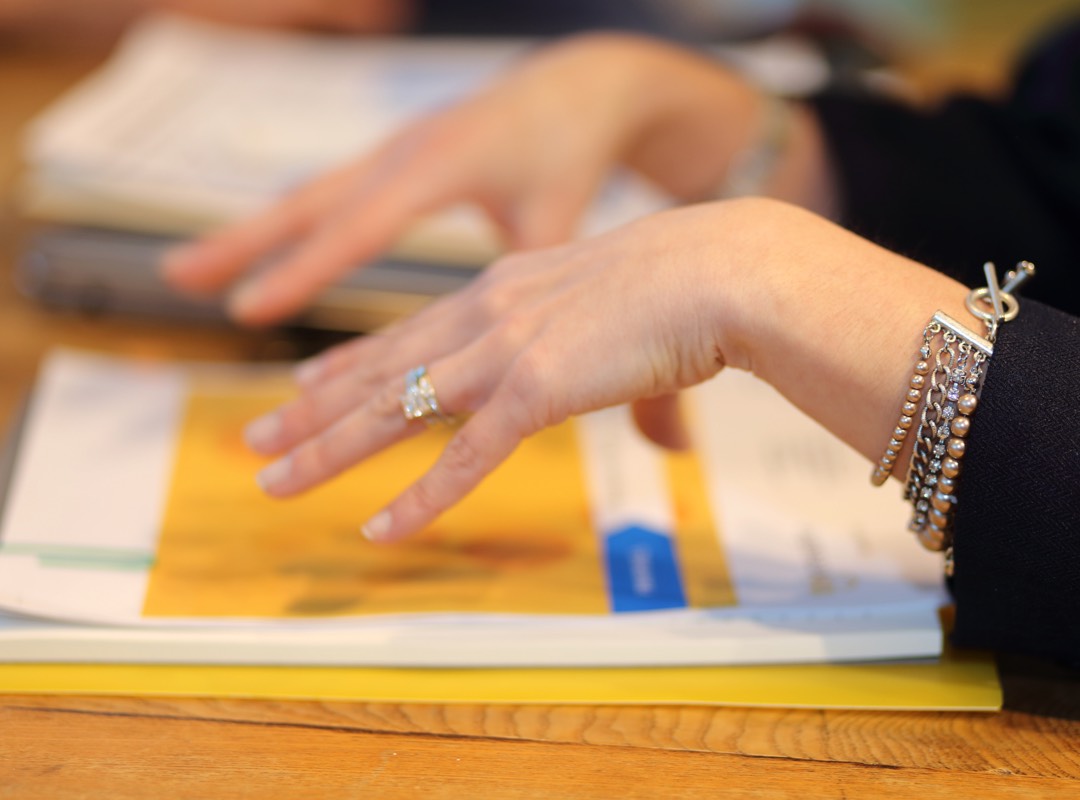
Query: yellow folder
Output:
(959,681)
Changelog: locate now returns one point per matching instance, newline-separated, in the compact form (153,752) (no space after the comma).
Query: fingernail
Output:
(246,299)
(262,433)
(308,372)
(274,474)
(177,260)
(377,527)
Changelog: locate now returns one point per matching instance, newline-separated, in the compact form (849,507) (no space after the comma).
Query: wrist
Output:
(828,319)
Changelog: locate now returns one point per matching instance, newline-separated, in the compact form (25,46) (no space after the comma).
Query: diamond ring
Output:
(419,401)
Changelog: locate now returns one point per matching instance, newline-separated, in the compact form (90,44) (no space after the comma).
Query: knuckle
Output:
(462,455)
(527,387)
(510,264)
(513,332)
(301,416)
(314,459)
(528,374)
(386,402)
(502,286)
(434,136)
(424,499)
(461,461)
(495,299)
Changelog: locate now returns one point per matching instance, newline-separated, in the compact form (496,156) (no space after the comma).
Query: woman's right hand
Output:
(829,319)
(530,151)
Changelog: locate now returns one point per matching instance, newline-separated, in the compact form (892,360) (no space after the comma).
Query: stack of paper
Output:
(190,125)
(134,527)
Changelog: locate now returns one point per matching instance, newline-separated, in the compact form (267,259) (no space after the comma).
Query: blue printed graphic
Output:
(643,574)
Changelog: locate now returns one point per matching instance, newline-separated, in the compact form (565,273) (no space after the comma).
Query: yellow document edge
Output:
(959,682)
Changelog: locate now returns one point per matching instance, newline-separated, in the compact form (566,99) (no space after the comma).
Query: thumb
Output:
(548,216)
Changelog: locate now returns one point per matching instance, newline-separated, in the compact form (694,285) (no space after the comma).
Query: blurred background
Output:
(79,199)
(944,42)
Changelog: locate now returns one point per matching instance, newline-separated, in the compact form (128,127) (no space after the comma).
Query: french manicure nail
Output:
(274,474)
(377,527)
(246,299)
(262,433)
(308,372)
(177,259)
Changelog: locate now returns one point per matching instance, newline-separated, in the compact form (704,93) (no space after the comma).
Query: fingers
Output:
(549,215)
(375,361)
(660,419)
(479,378)
(347,217)
(344,378)
(443,325)
(374,218)
(440,327)
(372,426)
(463,380)
(332,363)
(308,414)
(483,443)
(212,263)
(375,425)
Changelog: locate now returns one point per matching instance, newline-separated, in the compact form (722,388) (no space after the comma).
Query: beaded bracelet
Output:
(943,394)
(959,367)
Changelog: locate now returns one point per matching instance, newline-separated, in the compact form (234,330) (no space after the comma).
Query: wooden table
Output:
(60,747)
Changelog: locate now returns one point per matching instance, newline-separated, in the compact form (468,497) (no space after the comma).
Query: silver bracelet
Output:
(960,362)
(943,394)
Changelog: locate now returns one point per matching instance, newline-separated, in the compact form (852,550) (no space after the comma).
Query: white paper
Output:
(196,124)
(823,566)
(190,125)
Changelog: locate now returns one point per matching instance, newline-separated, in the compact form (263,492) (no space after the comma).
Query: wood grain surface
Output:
(76,747)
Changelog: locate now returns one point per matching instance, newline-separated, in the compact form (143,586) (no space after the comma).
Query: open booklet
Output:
(133,531)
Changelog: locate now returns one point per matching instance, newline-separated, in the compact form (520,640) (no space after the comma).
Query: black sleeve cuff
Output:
(1017,539)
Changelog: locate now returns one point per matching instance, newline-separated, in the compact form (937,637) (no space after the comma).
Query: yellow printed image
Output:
(523,542)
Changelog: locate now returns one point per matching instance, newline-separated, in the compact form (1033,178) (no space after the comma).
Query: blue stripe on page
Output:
(643,573)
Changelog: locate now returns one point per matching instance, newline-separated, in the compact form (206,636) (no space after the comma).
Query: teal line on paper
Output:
(75,557)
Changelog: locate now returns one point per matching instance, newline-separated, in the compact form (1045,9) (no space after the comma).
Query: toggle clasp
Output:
(994,304)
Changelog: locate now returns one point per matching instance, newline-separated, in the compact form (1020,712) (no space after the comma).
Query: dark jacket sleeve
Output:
(974,180)
(1017,536)
(979,181)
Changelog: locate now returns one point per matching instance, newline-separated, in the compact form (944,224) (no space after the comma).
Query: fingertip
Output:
(177,263)
(661,422)
(676,440)
(308,373)
(377,529)
(674,434)
(262,434)
(249,305)
(271,478)
(679,441)
(198,268)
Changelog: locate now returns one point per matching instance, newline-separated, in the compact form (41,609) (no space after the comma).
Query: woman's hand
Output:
(530,151)
(635,315)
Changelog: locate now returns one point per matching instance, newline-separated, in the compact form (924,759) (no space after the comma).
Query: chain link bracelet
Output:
(942,395)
